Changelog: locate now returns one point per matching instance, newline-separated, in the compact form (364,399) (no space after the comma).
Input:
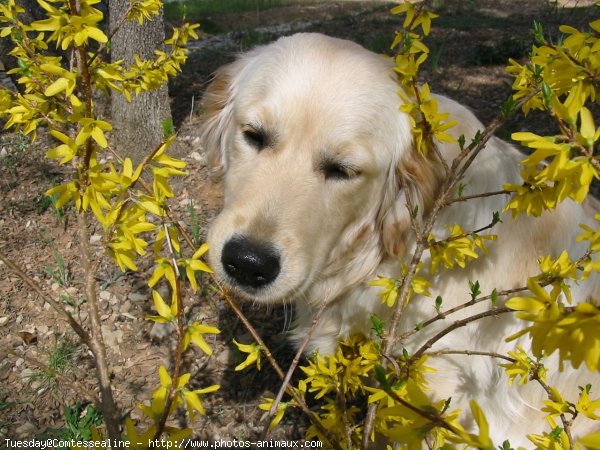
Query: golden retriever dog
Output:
(309,135)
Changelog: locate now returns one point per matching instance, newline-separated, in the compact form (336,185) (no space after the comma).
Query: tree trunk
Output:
(137,125)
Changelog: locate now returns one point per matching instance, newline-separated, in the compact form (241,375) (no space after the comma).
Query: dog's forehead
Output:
(334,83)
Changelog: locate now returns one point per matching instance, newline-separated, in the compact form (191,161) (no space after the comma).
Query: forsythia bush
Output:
(360,390)
(58,96)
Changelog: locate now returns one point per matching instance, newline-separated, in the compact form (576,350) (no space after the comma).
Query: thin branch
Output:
(534,375)
(389,339)
(97,345)
(462,235)
(454,326)
(236,309)
(471,353)
(410,206)
(341,399)
(465,198)
(434,418)
(443,315)
(292,368)
(77,328)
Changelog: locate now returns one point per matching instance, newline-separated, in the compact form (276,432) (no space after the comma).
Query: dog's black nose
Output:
(249,263)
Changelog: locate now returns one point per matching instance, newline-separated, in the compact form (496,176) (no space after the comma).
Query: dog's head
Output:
(309,136)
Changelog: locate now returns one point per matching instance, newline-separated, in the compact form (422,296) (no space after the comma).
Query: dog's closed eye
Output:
(255,137)
(338,170)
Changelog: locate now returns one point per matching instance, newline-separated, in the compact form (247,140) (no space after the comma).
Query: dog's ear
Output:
(420,177)
(217,115)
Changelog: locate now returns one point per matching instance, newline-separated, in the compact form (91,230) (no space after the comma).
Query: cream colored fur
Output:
(318,97)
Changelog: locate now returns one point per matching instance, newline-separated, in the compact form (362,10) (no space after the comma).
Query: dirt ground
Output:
(470,44)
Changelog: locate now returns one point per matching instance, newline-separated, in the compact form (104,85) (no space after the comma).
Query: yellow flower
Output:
(389,295)
(67,151)
(165,312)
(557,439)
(423,18)
(575,332)
(162,269)
(556,404)
(281,407)
(254,353)
(192,399)
(195,332)
(586,406)
(195,264)
(523,367)
(591,441)
(322,374)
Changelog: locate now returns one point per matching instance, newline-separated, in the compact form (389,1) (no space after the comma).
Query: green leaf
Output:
(494,298)
(381,377)
(461,141)
(538,33)
(378,326)
(496,218)
(475,289)
(508,108)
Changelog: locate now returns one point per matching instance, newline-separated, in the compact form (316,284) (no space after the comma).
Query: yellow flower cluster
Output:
(353,375)
(457,248)
(57,94)
(524,367)
(560,79)
(389,295)
(422,109)
(572,330)
(183,396)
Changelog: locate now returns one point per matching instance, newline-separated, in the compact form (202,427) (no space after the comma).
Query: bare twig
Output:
(341,399)
(410,206)
(102,47)
(471,353)
(462,235)
(434,418)
(299,400)
(97,345)
(77,328)
(534,375)
(458,324)
(464,198)
(443,315)
(292,368)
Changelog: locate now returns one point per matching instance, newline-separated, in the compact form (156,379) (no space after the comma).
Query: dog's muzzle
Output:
(250,264)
